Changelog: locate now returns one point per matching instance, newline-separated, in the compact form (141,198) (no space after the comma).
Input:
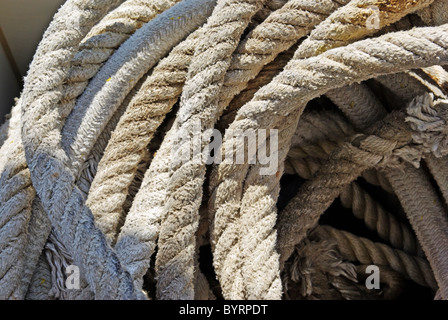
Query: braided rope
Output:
(436,14)
(391,139)
(327,125)
(40,284)
(439,169)
(41,94)
(162,89)
(175,258)
(365,251)
(291,89)
(427,216)
(134,131)
(350,23)
(102,40)
(377,218)
(107,90)
(359,104)
(75,152)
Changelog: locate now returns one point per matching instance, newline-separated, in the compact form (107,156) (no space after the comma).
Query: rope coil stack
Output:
(88,177)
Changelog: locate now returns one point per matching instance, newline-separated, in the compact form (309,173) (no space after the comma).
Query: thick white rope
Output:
(292,88)
(41,95)
(107,90)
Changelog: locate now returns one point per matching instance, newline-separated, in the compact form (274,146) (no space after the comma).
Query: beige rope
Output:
(38,99)
(377,218)
(359,104)
(436,14)
(314,268)
(428,218)
(353,195)
(40,286)
(16,195)
(391,139)
(107,90)
(439,170)
(146,111)
(377,178)
(368,252)
(81,93)
(282,95)
(351,22)
(137,239)
(175,258)
(295,20)
(102,41)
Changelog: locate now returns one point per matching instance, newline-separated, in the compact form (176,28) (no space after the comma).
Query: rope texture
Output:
(390,139)
(90,172)
(368,252)
(290,89)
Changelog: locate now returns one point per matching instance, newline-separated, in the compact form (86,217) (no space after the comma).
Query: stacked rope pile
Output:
(120,176)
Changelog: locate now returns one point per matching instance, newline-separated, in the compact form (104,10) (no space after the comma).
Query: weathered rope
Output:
(436,14)
(107,90)
(392,138)
(92,159)
(284,92)
(377,218)
(377,178)
(365,251)
(315,267)
(40,284)
(199,101)
(102,41)
(329,130)
(427,216)
(351,23)
(16,196)
(359,104)
(439,169)
(138,236)
(295,20)
(134,131)
(41,94)
(162,89)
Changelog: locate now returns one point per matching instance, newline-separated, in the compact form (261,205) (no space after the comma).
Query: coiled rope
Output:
(88,176)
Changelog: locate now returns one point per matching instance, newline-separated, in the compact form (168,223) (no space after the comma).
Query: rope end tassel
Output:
(230,149)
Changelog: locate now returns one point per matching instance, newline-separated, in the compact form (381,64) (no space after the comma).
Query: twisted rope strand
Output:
(41,138)
(199,101)
(107,90)
(291,89)
(368,252)
(134,131)
(351,22)
(377,218)
(137,239)
(428,218)
(102,40)
(295,20)
(327,125)
(391,138)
